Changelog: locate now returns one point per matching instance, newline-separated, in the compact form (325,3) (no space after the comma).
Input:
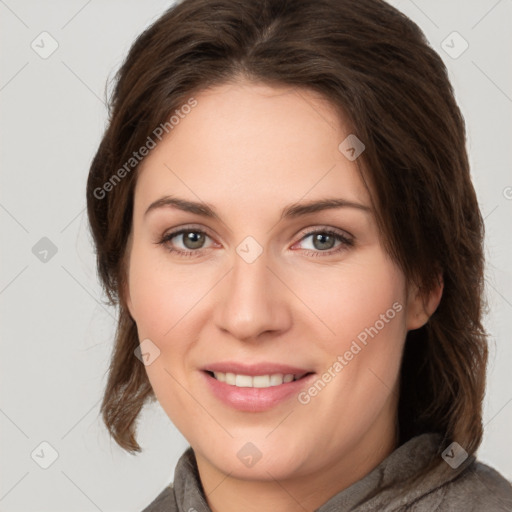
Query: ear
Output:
(420,307)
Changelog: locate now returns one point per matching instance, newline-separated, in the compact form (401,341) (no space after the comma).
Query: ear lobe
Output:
(421,307)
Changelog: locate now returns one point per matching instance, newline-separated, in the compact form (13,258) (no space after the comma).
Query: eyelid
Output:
(310,230)
(320,228)
(174,232)
(186,227)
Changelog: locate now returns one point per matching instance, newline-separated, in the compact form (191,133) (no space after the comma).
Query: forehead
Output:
(259,143)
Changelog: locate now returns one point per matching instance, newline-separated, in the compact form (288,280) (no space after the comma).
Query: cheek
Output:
(363,307)
(372,328)
(353,298)
(160,295)
(159,305)
(162,305)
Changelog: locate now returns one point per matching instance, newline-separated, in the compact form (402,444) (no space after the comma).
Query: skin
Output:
(249,150)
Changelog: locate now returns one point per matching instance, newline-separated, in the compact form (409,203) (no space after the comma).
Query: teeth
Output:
(259,381)
(243,381)
(277,379)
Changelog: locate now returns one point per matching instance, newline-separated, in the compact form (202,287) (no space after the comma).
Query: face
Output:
(247,288)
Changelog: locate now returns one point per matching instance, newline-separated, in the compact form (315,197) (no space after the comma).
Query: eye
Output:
(323,242)
(192,241)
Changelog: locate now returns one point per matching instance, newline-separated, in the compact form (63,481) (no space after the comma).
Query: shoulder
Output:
(164,502)
(478,488)
(482,488)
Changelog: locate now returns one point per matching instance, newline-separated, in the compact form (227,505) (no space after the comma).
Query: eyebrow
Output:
(291,211)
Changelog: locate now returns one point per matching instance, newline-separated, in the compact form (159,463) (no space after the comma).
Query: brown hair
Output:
(370,60)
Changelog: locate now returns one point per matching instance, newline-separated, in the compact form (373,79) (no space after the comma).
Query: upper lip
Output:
(263,368)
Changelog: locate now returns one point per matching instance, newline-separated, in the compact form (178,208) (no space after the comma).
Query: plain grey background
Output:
(56,331)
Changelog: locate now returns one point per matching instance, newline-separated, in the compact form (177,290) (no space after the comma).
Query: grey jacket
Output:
(470,487)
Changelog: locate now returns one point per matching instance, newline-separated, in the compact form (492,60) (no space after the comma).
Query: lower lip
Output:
(255,399)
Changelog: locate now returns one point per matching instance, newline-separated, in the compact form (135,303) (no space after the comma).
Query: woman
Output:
(282,209)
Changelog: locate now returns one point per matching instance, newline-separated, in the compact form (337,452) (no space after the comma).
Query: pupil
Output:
(321,238)
(193,240)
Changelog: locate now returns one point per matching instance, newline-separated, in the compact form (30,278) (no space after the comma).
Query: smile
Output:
(256,381)
(255,393)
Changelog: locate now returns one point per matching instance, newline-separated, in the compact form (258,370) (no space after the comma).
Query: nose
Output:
(254,301)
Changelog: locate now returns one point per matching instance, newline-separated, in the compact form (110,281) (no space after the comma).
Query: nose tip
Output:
(251,303)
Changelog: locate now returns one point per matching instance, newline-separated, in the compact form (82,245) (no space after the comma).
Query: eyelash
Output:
(345,242)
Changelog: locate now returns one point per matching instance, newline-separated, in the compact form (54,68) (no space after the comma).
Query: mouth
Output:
(255,374)
(255,387)
(256,381)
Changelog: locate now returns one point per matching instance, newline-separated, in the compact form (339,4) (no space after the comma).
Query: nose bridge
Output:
(252,302)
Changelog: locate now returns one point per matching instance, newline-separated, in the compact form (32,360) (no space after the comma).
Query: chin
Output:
(256,461)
